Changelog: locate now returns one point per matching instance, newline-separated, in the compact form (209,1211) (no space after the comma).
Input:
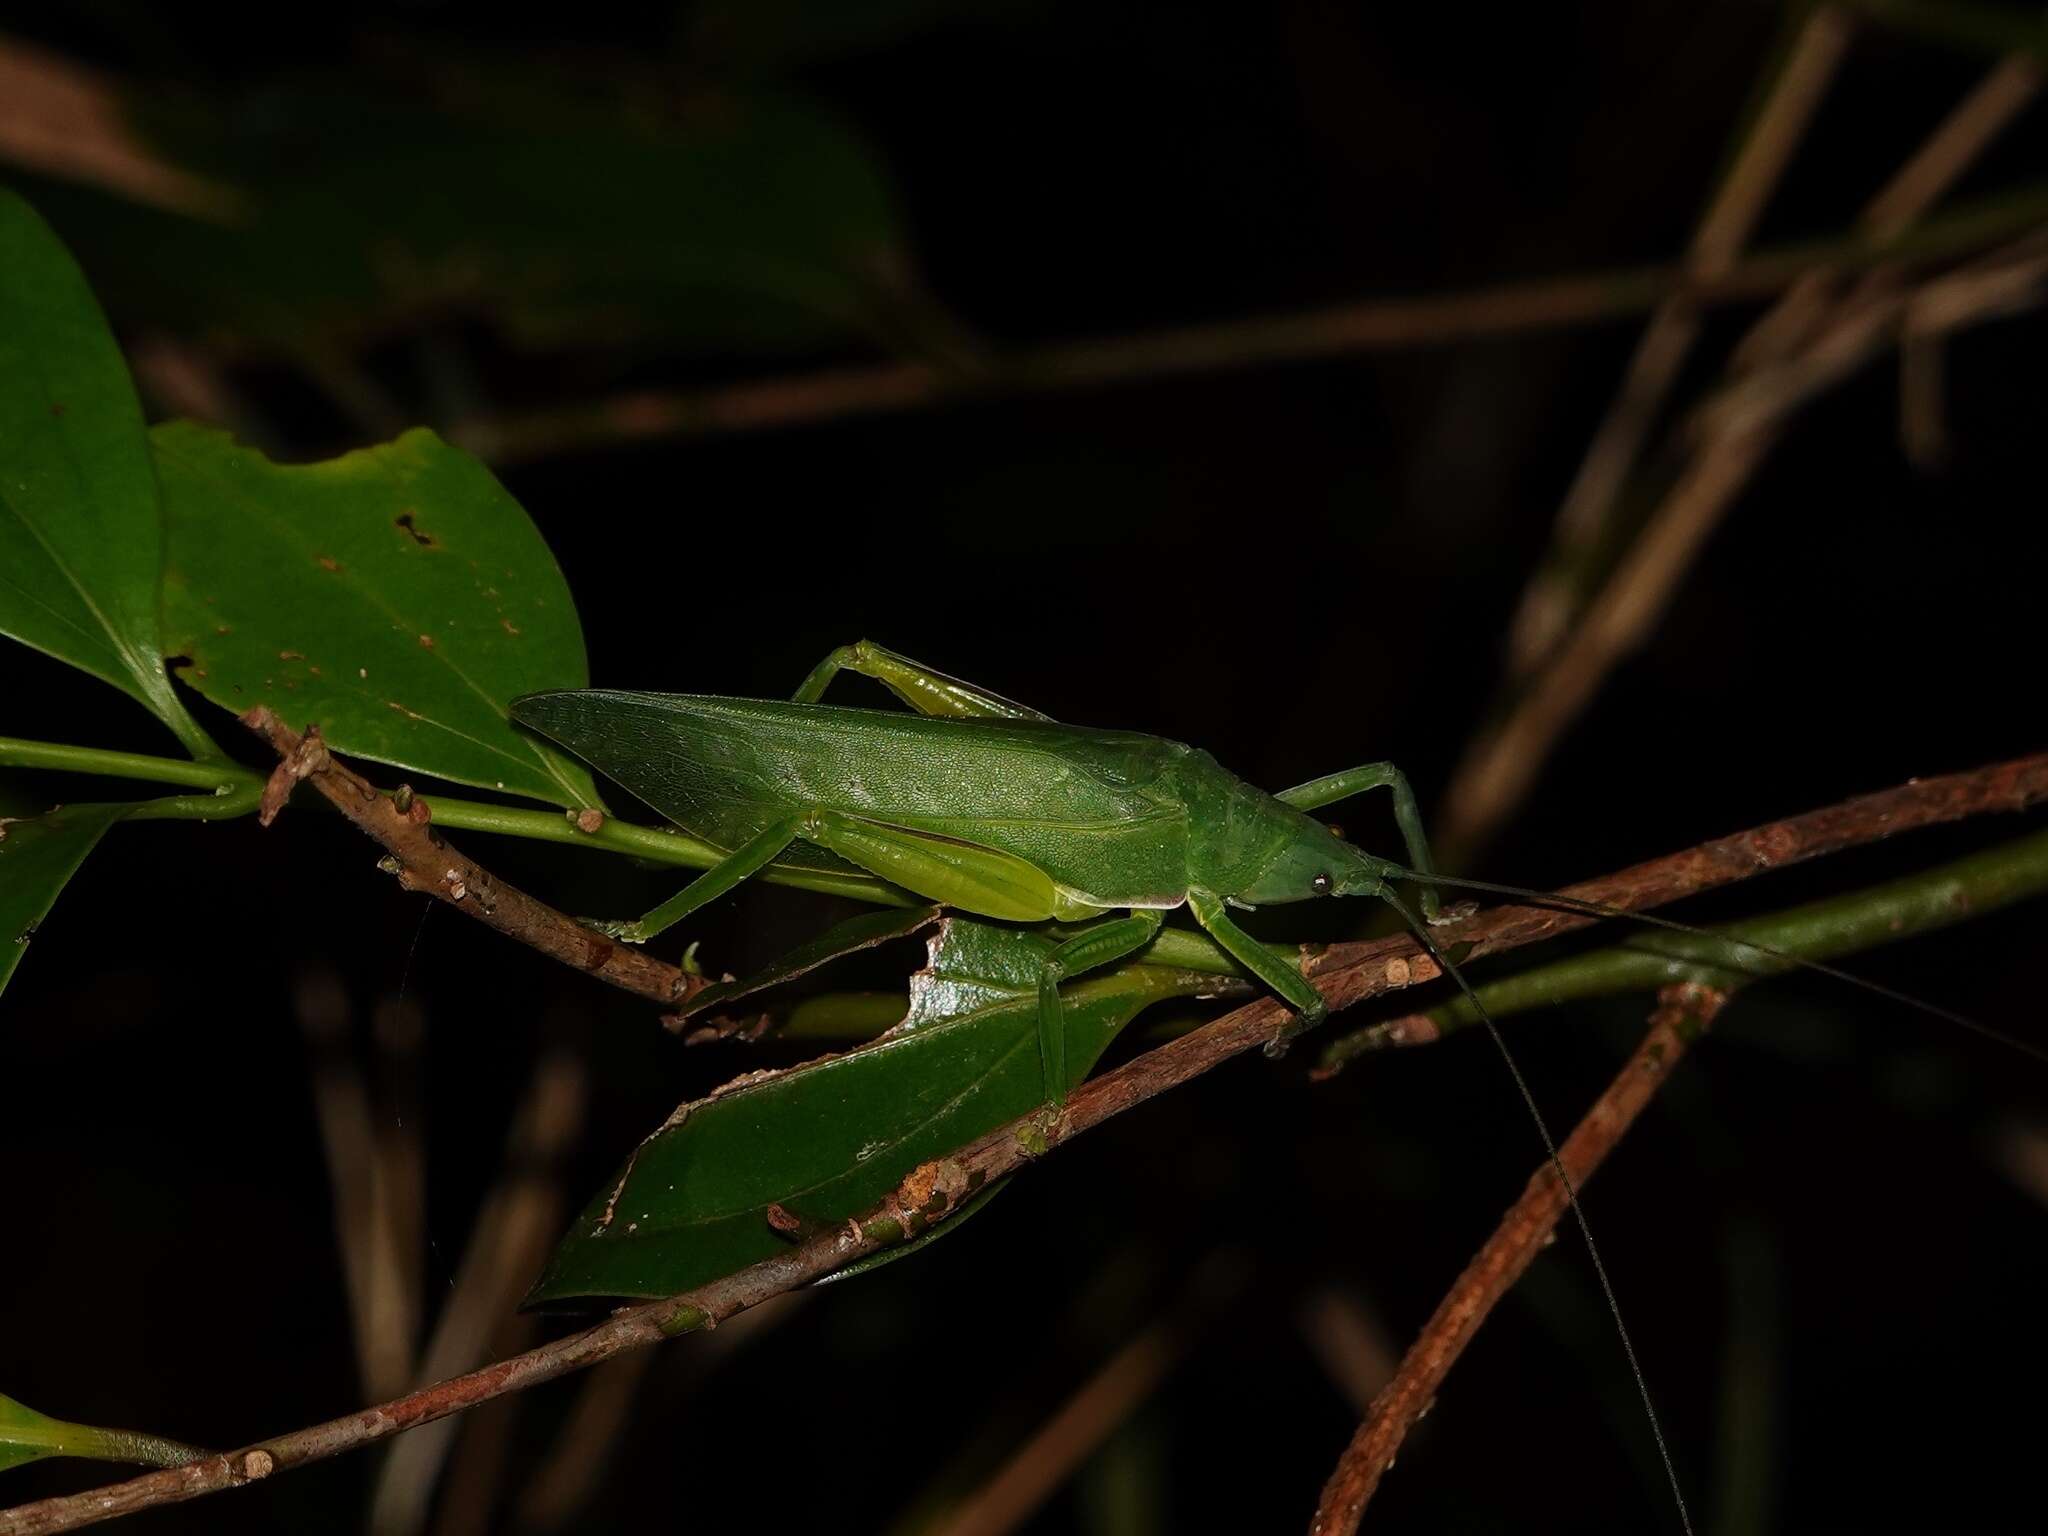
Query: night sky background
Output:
(1831,1271)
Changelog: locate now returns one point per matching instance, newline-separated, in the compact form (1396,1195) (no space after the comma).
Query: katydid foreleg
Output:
(1256,958)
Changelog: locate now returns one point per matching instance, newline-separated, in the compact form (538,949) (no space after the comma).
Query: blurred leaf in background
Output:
(397,596)
(636,213)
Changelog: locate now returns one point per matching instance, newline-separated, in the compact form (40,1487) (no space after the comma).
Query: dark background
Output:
(1831,1277)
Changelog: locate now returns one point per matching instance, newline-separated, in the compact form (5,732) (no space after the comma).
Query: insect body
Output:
(983,805)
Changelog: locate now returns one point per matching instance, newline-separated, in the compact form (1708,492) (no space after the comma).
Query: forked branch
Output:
(402,824)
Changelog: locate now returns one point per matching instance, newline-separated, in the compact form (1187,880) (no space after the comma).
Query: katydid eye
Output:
(1322,885)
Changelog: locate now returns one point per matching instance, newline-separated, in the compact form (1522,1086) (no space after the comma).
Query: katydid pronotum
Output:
(997,810)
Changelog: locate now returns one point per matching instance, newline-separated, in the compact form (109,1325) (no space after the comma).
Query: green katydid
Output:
(990,807)
(985,806)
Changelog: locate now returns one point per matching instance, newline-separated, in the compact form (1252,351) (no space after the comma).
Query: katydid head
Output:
(1316,862)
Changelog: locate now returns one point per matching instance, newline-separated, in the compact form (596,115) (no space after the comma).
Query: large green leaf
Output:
(397,596)
(81,541)
(37,857)
(828,1140)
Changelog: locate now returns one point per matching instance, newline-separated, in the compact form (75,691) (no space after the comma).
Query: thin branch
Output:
(65,120)
(1340,330)
(380,1301)
(1808,329)
(1925,178)
(1349,1341)
(239,792)
(1683,1012)
(520,1217)
(1052,1453)
(1924,902)
(1547,603)
(401,824)
(1733,432)
(1346,974)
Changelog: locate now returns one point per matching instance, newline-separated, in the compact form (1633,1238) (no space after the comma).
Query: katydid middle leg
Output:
(1407,816)
(985,881)
(750,858)
(1085,951)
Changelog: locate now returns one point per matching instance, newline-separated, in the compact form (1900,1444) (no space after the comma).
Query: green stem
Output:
(225,804)
(1820,931)
(239,791)
(17,753)
(89,1442)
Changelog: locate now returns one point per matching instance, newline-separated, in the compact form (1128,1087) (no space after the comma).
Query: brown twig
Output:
(519,1218)
(1683,1011)
(1546,606)
(1346,974)
(1349,1341)
(382,1304)
(1339,330)
(401,824)
(1733,431)
(1052,1453)
(1917,186)
(580,1454)
(1812,334)
(62,119)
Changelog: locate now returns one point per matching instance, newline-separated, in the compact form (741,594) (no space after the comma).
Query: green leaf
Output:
(396,596)
(37,857)
(746,220)
(81,540)
(26,1436)
(827,1140)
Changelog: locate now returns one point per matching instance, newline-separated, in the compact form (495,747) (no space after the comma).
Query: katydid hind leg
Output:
(1333,787)
(924,689)
(985,881)
(1098,946)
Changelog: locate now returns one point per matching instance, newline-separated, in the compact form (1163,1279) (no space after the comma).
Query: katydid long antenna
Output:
(1571,1194)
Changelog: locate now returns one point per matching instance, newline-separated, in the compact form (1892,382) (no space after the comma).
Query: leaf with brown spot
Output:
(366,568)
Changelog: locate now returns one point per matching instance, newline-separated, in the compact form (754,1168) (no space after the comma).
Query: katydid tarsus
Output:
(992,808)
